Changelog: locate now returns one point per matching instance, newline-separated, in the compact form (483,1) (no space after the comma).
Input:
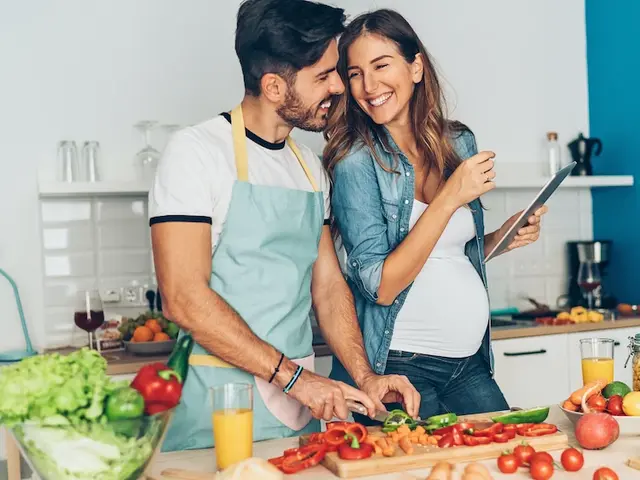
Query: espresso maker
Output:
(588,261)
(582,149)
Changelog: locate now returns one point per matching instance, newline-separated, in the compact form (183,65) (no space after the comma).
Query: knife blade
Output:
(357,407)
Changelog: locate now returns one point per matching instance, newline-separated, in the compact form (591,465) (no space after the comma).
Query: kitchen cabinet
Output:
(620,353)
(532,371)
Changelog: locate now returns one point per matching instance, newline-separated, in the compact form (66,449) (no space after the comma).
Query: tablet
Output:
(540,199)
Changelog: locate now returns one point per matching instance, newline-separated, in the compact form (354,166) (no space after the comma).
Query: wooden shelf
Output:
(512,181)
(93,189)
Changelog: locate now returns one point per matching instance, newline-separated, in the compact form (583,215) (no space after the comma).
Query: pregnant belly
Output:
(446,311)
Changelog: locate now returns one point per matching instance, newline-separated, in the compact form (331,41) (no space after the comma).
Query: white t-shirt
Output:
(197,171)
(447,309)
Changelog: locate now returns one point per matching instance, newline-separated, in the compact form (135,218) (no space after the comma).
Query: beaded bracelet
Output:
(277,368)
(293,379)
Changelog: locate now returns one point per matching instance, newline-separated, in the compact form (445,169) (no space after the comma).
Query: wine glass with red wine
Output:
(89,314)
(589,280)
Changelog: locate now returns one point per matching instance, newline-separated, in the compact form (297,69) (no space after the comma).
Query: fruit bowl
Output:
(111,451)
(150,348)
(629,426)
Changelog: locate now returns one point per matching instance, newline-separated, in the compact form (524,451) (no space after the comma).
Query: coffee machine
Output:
(598,253)
(581,150)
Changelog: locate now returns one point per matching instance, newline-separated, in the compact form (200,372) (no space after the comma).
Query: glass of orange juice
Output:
(597,359)
(232,420)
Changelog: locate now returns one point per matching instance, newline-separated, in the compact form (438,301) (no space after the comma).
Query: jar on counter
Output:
(634,355)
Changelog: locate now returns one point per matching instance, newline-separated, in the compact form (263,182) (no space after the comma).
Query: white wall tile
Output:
(55,211)
(73,236)
(62,293)
(123,262)
(69,264)
(123,234)
(120,209)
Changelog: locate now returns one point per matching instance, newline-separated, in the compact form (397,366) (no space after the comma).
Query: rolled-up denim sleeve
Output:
(358,212)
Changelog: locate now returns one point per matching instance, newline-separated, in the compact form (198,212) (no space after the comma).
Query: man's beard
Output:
(296,114)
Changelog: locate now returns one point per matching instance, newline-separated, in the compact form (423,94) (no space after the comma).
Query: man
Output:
(240,241)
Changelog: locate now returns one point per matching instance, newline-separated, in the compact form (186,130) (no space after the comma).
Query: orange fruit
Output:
(142,334)
(153,325)
(161,337)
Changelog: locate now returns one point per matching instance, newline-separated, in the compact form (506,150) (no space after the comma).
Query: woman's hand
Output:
(473,178)
(526,235)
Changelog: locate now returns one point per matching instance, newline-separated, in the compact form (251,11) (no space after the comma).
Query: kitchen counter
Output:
(614,456)
(125,363)
(531,329)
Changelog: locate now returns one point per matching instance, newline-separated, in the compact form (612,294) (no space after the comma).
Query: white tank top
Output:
(447,309)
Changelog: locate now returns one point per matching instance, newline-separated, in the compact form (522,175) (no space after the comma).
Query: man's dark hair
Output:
(283,37)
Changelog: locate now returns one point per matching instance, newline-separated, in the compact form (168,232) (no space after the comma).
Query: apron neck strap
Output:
(240,149)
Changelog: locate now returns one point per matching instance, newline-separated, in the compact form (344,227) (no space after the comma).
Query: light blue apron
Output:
(262,268)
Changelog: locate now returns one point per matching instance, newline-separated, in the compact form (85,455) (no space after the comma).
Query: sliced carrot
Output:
(424,439)
(432,440)
(420,430)
(403,430)
(414,437)
(405,445)
(374,443)
(394,437)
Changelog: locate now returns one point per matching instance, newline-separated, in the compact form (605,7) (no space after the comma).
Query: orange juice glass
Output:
(597,359)
(232,420)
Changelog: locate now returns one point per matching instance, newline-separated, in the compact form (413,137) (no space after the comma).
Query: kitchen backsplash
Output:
(87,244)
(105,243)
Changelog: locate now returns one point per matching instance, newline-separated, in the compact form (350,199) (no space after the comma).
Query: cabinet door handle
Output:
(616,344)
(542,351)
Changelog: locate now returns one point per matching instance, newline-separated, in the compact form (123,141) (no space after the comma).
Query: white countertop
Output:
(614,456)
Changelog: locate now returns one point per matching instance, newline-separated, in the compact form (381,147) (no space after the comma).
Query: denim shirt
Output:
(372,209)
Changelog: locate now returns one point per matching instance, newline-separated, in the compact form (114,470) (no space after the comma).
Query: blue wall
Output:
(613,62)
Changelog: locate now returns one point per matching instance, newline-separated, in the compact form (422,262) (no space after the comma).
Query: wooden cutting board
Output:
(426,456)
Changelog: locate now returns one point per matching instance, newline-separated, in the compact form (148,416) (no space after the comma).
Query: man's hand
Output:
(327,398)
(392,389)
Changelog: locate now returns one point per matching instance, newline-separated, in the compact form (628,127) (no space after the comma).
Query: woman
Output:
(410,218)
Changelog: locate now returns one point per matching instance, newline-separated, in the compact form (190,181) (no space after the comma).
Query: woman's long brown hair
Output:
(349,125)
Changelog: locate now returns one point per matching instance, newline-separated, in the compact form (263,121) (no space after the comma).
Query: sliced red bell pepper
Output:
(354,450)
(502,437)
(446,441)
(303,459)
(358,430)
(460,427)
(277,461)
(489,431)
(537,430)
(160,387)
(510,429)
(471,441)
(335,436)
(457,437)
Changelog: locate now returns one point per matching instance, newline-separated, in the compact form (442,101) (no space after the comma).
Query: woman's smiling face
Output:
(381,81)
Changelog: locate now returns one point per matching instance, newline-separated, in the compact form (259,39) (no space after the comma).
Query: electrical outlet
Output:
(110,295)
(131,295)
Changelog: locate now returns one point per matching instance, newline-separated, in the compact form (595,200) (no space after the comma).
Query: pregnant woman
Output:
(406,190)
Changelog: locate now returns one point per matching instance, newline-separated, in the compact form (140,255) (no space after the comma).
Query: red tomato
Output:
(572,460)
(540,469)
(605,473)
(524,453)
(508,463)
(544,456)
(614,405)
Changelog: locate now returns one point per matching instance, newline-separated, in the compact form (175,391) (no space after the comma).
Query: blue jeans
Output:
(460,385)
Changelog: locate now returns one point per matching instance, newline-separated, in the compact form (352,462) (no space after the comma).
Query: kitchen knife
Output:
(357,407)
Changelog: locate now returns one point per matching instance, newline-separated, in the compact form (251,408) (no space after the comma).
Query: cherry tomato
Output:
(605,473)
(524,453)
(508,463)
(540,469)
(572,460)
(544,456)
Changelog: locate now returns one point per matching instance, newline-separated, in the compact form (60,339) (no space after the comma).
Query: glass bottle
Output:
(553,153)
